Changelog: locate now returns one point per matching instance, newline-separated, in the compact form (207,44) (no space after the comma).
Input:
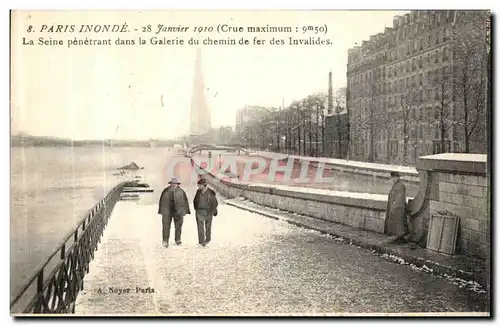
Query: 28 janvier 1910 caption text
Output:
(161,35)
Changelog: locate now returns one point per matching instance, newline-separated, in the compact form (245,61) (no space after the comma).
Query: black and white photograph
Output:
(249,163)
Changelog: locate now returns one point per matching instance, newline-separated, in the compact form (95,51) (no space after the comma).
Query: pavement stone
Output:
(456,266)
(254,266)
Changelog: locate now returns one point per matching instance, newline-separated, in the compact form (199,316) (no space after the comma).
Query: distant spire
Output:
(200,114)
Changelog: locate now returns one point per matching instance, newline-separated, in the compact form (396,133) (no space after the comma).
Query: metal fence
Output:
(56,283)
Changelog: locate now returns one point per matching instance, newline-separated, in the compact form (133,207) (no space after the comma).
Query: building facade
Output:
(250,125)
(406,88)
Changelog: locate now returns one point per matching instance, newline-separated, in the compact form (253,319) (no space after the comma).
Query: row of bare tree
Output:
(457,95)
(298,128)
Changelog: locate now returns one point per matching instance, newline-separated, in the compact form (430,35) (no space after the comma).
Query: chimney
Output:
(330,93)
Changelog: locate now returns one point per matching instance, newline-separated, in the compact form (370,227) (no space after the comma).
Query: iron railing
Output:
(56,283)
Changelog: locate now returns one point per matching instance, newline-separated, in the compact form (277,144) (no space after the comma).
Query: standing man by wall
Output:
(396,209)
(174,205)
(205,204)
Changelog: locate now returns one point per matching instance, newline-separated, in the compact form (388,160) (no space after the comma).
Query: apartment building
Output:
(405,87)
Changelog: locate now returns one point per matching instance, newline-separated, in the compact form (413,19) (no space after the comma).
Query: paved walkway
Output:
(254,266)
(456,268)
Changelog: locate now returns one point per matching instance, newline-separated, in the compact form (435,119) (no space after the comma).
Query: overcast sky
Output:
(115,92)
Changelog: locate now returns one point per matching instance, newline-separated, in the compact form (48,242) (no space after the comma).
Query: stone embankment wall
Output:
(458,185)
(364,211)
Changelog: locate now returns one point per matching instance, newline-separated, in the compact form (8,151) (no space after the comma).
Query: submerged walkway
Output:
(254,266)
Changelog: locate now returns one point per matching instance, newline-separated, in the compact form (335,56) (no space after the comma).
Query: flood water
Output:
(53,188)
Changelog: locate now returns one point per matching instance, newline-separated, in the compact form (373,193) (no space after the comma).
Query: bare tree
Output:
(339,109)
(444,120)
(309,116)
(296,126)
(361,122)
(321,102)
(318,104)
(371,103)
(317,127)
(470,65)
(407,101)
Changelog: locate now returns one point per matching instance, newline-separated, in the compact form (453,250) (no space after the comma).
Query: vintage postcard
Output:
(250,163)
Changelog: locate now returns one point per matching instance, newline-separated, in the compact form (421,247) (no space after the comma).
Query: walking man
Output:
(174,205)
(396,209)
(205,204)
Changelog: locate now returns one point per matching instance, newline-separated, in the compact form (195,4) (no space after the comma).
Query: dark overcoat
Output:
(173,202)
(396,210)
(208,209)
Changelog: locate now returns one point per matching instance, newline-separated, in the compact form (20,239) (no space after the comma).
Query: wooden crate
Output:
(442,235)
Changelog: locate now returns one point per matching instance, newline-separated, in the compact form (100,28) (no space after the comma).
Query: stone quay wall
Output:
(363,211)
(458,184)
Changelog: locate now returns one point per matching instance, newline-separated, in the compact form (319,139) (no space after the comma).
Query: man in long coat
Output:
(396,209)
(174,205)
(205,204)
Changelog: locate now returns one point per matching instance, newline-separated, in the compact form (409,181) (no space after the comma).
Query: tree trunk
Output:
(371,157)
(405,141)
(278,133)
(298,128)
(466,125)
(323,132)
(387,147)
(442,127)
(317,130)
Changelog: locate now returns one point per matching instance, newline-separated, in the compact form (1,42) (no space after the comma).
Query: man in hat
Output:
(205,204)
(174,205)
(396,209)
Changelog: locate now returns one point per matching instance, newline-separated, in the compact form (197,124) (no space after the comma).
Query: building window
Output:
(420,62)
(436,57)
(413,133)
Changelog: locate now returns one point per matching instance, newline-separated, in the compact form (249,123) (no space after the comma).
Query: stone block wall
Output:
(361,211)
(461,188)
(466,196)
